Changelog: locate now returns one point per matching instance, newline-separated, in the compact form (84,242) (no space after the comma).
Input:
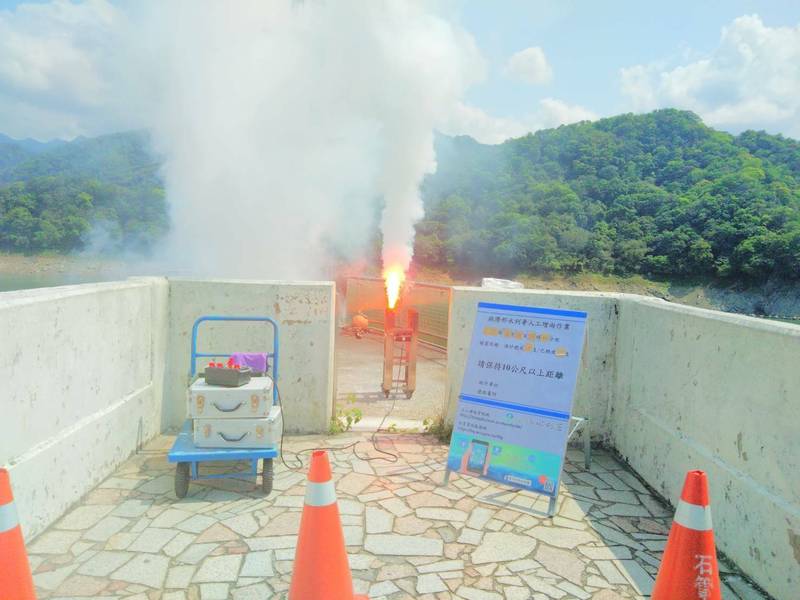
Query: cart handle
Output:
(275,345)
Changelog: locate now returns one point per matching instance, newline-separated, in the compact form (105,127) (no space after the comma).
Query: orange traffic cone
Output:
(16,582)
(689,566)
(321,570)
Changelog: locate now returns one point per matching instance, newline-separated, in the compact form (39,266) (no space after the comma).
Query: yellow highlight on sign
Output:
(561,352)
(545,337)
(518,335)
(528,347)
(532,336)
(508,332)
(490,330)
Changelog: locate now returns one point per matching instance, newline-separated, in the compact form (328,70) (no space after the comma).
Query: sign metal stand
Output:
(493,498)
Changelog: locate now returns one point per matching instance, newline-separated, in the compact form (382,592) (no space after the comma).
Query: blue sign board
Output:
(513,415)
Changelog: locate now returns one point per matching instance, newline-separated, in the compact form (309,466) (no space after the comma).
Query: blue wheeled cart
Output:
(188,456)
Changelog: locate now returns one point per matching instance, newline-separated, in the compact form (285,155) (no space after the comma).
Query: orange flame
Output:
(394,277)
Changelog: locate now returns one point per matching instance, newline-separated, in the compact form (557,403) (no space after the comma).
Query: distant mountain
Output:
(119,158)
(103,192)
(31,145)
(776,149)
(11,154)
(660,194)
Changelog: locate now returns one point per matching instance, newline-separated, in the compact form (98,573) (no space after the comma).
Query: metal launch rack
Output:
(400,352)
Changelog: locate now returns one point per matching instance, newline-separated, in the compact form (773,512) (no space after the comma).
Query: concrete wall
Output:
(90,372)
(699,389)
(675,388)
(672,388)
(81,375)
(595,381)
(305,315)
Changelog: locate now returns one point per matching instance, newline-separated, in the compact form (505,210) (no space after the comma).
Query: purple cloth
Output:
(257,361)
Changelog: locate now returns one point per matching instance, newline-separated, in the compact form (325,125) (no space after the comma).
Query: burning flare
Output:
(394,277)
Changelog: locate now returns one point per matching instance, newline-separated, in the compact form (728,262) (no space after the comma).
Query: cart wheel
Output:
(266,476)
(182,476)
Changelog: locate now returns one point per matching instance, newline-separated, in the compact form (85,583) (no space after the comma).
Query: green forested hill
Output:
(11,154)
(63,197)
(660,194)
(780,151)
(119,158)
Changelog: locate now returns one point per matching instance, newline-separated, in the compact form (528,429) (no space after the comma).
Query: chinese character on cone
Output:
(15,572)
(321,570)
(689,567)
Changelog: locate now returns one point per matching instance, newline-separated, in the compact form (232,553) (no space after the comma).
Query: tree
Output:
(18,228)
(659,193)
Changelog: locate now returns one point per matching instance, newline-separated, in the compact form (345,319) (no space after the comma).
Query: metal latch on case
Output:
(254,402)
(201,403)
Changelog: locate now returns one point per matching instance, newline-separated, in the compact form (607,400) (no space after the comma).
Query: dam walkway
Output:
(407,537)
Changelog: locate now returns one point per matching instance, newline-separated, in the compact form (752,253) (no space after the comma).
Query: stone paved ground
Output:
(407,537)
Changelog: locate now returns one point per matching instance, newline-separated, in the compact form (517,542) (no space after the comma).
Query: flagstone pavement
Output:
(406,535)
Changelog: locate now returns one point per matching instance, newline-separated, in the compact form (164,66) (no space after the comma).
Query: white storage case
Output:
(239,433)
(253,399)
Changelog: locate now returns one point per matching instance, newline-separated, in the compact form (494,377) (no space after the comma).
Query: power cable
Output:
(392,457)
(298,452)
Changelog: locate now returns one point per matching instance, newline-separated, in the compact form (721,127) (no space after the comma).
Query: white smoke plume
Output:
(283,124)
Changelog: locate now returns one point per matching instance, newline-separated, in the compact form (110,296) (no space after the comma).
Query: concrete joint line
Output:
(74,428)
(733,471)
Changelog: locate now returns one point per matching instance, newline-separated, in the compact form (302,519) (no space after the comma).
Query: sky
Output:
(539,64)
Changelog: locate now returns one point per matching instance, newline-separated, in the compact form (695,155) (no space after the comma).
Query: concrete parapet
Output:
(80,368)
(674,388)
(304,312)
(88,373)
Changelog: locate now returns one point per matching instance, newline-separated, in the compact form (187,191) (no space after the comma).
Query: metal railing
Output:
(366,295)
